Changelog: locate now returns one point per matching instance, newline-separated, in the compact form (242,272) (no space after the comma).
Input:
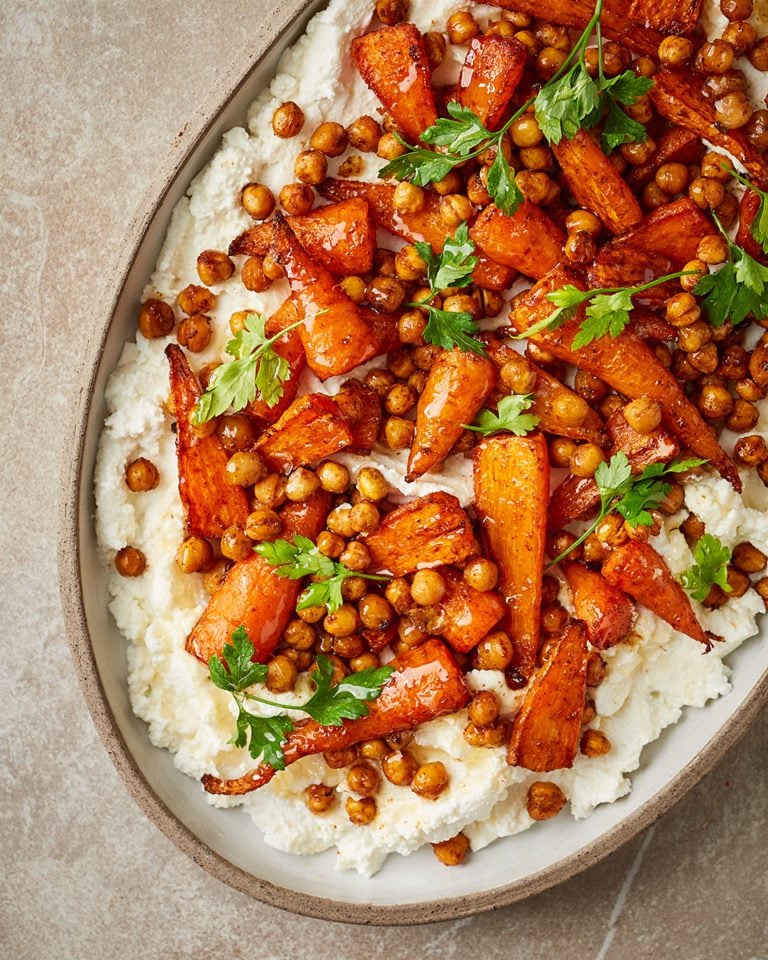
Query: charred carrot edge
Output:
(546,730)
(747,213)
(426,683)
(340,236)
(253,595)
(311,429)
(210,503)
(511,496)
(637,569)
(491,72)
(456,388)
(607,612)
(528,241)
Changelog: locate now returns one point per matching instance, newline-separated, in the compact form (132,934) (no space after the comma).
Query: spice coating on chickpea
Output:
(141,475)
(452,852)
(287,120)
(130,562)
(430,780)
(544,800)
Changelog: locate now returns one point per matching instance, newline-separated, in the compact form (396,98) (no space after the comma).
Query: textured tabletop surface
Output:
(93,94)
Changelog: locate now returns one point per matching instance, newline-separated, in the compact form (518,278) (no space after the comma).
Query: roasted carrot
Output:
(289,347)
(596,183)
(393,62)
(470,614)
(527,241)
(311,429)
(676,95)
(748,207)
(456,388)
(637,569)
(546,390)
(335,336)
(210,503)
(430,531)
(652,326)
(511,495)
(285,315)
(627,364)
(361,408)
(676,145)
(426,683)
(340,236)
(546,730)
(425,226)
(254,596)
(491,72)
(607,612)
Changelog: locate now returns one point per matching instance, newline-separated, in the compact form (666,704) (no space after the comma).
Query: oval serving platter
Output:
(409,890)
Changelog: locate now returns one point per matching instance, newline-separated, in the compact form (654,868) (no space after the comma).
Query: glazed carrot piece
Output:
(426,683)
(637,569)
(426,226)
(340,236)
(748,207)
(546,730)
(456,388)
(470,614)
(335,336)
(596,183)
(527,241)
(285,315)
(492,70)
(254,596)
(676,145)
(393,62)
(676,95)
(430,531)
(311,429)
(361,408)
(210,503)
(627,364)
(546,390)
(511,495)
(607,612)
(289,347)
(651,326)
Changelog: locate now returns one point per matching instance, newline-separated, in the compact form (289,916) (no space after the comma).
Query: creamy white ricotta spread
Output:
(650,679)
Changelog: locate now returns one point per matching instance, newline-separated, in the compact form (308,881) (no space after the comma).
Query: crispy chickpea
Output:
(736,9)
(236,544)
(196,299)
(589,387)
(257,200)
(750,451)
(354,287)
(371,484)
(356,555)
(361,811)
(409,265)
(695,270)
(399,767)
(281,674)
(548,62)
(554,619)
(487,737)
(299,635)
(672,177)
(411,326)
(682,310)
(455,208)
(733,110)
(610,530)
(330,544)
(389,147)
(610,405)
(481,574)
(244,468)
(743,417)
(320,797)
(312,614)
(692,528)
(130,562)
(461,27)
(333,477)
(712,249)
(351,167)
(654,197)
(287,120)
(364,134)
(586,458)
(757,130)
(518,375)
(673,500)
(706,193)
(194,332)
(398,432)
(141,475)
(741,36)
(408,198)
(311,166)
(738,581)
(761,587)
(570,408)
(263,524)
(713,167)
(379,380)
(338,759)
(342,622)
(273,268)
(156,319)
(434,44)
(301,484)
(424,356)
(715,402)
(428,587)
(748,559)
(544,800)
(596,669)
(452,852)
(643,415)
(758,55)
(494,652)
(374,749)
(329,138)
(375,612)
(728,210)
(580,248)
(758,365)
(561,449)
(253,275)
(430,780)
(214,266)
(237,320)
(364,517)
(391,12)
(269,492)
(748,390)
(483,709)
(525,132)
(363,779)
(594,743)
(338,521)
(398,593)
(400,399)
(214,576)
(535,185)
(296,198)
(715,56)
(385,293)
(639,153)
(236,432)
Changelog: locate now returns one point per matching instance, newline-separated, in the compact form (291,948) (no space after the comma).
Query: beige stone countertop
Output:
(93,94)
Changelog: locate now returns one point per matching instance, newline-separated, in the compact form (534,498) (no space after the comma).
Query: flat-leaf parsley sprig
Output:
(759,226)
(569,101)
(302,558)
(607,312)
(630,495)
(511,417)
(452,267)
(329,705)
(257,368)
(710,568)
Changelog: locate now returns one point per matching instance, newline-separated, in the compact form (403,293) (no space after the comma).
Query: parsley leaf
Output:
(460,134)
(237,671)
(301,558)
(619,128)
(347,700)
(449,330)
(267,736)
(256,368)
(735,291)
(564,107)
(608,313)
(453,267)
(420,166)
(510,417)
(502,186)
(710,567)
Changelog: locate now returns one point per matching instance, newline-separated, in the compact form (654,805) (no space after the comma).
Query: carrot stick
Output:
(470,614)
(527,241)
(492,70)
(606,611)
(340,236)
(311,429)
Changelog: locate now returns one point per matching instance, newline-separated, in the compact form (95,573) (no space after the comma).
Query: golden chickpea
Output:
(338,521)
(214,576)
(299,635)
(354,287)
(596,669)
(245,468)
(269,492)
(400,767)
(373,749)
(485,738)
(561,449)
(379,381)
(643,415)
(494,652)
(337,759)
(287,120)
(712,249)
(361,811)
(715,402)
(430,780)
(672,177)
(389,147)
(351,167)
(455,208)
(748,390)
(424,357)
(639,153)
(483,709)
(400,399)
(330,544)
(481,574)
(427,587)
(311,166)
(355,555)
(141,475)
(363,779)
(715,56)
(343,622)
(692,528)
(529,41)
(333,477)
(263,524)
(409,266)
(758,365)
(743,417)
(675,51)
(674,499)
(320,797)
(518,375)
(535,185)
(695,270)
(757,130)
(706,193)
(548,62)
(364,517)
(391,12)
(570,408)
(301,484)
(748,559)
(130,562)
(758,55)
(682,310)
(329,138)
(296,198)
(312,614)
(258,201)
(580,248)
(375,612)
(196,299)
(544,800)
(253,275)
(281,674)
(586,458)
(398,593)
(452,852)
(741,36)
(554,619)
(408,198)
(236,544)
(761,586)
(364,134)
(385,294)
(733,110)
(214,266)
(713,167)
(272,268)
(750,451)
(236,432)
(411,326)
(610,531)
(594,743)
(583,221)
(461,27)
(736,9)
(156,319)
(194,332)
(371,484)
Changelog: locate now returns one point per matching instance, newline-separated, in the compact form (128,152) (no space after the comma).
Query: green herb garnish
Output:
(739,288)
(510,418)
(710,567)
(759,226)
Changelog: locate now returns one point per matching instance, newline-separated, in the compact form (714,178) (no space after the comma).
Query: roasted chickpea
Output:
(548,62)
(263,524)
(713,167)
(743,417)
(589,387)
(570,408)
(427,587)
(389,147)
(461,27)
(494,652)
(643,415)
(156,319)
(452,852)
(483,709)
(682,310)
(430,780)
(733,110)
(580,248)
(610,405)
(329,138)
(706,193)
(342,622)
(236,544)
(214,266)
(554,619)
(594,743)
(544,800)
(299,635)
(715,56)
(311,614)
(750,451)
(408,198)
(363,779)
(736,9)
(748,559)
(411,326)
(694,271)
(130,562)
(741,36)
(400,399)
(518,375)
(672,177)
(355,555)
(373,749)
(674,499)
(637,154)
(757,130)
(253,275)
(338,521)
(330,544)
(301,484)
(398,593)
(371,484)
(361,811)
(333,477)
(610,530)
(320,797)
(236,432)
(296,198)
(748,390)
(761,586)
(244,468)
(400,767)
(385,293)
(758,365)
(586,458)
(311,166)
(196,299)
(712,249)
(257,200)
(392,11)
(141,475)
(536,186)
(481,574)
(269,492)
(273,268)
(758,55)
(214,576)
(364,134)
(487,737)
(715,402)
(409,265)
(375,612)
(281,674)
(675,51)
(455,208)
(398,432)
(237,320)
(561,449)
(287,120)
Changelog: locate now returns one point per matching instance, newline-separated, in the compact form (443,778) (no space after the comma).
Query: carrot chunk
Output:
(606,611)
(340,236)
(492,70)
(527,241)
(470,614)
(311,429)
